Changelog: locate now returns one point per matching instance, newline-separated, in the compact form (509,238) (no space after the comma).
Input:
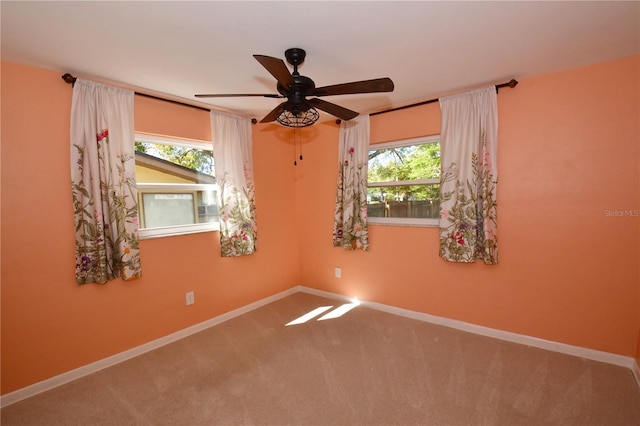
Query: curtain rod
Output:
(68,78)
(511,84)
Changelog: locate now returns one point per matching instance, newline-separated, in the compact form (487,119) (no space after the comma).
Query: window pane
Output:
(167,210)
(172,163)
(411,162)
(411,201)
(177,190)
(177,208)
(208,206)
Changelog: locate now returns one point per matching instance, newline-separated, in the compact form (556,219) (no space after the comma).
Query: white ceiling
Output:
(180,48)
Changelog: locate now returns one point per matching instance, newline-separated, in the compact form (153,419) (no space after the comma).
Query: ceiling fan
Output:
(297,110)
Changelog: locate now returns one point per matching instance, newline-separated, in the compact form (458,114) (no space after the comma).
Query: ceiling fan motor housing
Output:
(296,93)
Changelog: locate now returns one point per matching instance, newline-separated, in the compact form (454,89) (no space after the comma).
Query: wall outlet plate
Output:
(338,272)
(191,299)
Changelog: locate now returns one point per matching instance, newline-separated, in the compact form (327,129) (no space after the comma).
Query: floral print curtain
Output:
(469,145)
(103,183)
(232,153)
(350,222)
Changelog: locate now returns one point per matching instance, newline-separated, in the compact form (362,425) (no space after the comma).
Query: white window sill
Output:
(145,234)
(400,221)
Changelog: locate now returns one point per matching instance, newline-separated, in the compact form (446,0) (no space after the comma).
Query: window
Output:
(177,191)
(404,182)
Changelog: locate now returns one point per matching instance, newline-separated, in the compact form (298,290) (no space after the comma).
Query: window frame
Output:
(404,221)
(166,188)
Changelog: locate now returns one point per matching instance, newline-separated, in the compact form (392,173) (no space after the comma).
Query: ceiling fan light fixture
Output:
(299,119)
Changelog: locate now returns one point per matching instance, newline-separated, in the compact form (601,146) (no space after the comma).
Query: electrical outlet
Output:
(190,298)
(338,272)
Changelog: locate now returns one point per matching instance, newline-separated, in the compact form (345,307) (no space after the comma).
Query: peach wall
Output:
(567,273)
(177,120)
(49,324)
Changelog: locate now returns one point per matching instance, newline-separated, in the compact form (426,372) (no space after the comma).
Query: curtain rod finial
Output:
(254,121)
(513,83)
(69,78)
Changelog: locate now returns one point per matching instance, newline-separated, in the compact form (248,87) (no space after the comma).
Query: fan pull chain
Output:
(300,141)
(295,163)
(297,138)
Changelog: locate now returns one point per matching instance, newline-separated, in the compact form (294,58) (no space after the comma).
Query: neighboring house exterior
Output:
(150,169)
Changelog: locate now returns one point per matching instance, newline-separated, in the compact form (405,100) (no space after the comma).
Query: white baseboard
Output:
(636,371)
(85,370)
(323,293)
(592,354)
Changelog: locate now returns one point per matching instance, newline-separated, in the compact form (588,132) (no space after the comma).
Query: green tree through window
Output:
(403,179)
(192,158)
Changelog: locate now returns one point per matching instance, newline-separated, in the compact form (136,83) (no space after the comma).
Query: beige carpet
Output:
(364,368)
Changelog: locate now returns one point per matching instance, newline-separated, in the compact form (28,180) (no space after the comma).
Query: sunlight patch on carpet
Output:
(336,313)
(310,315)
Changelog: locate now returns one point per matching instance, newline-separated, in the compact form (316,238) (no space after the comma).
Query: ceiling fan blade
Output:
(365,86)
(277,68)
(235,95)
(333,109)
(273,114)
